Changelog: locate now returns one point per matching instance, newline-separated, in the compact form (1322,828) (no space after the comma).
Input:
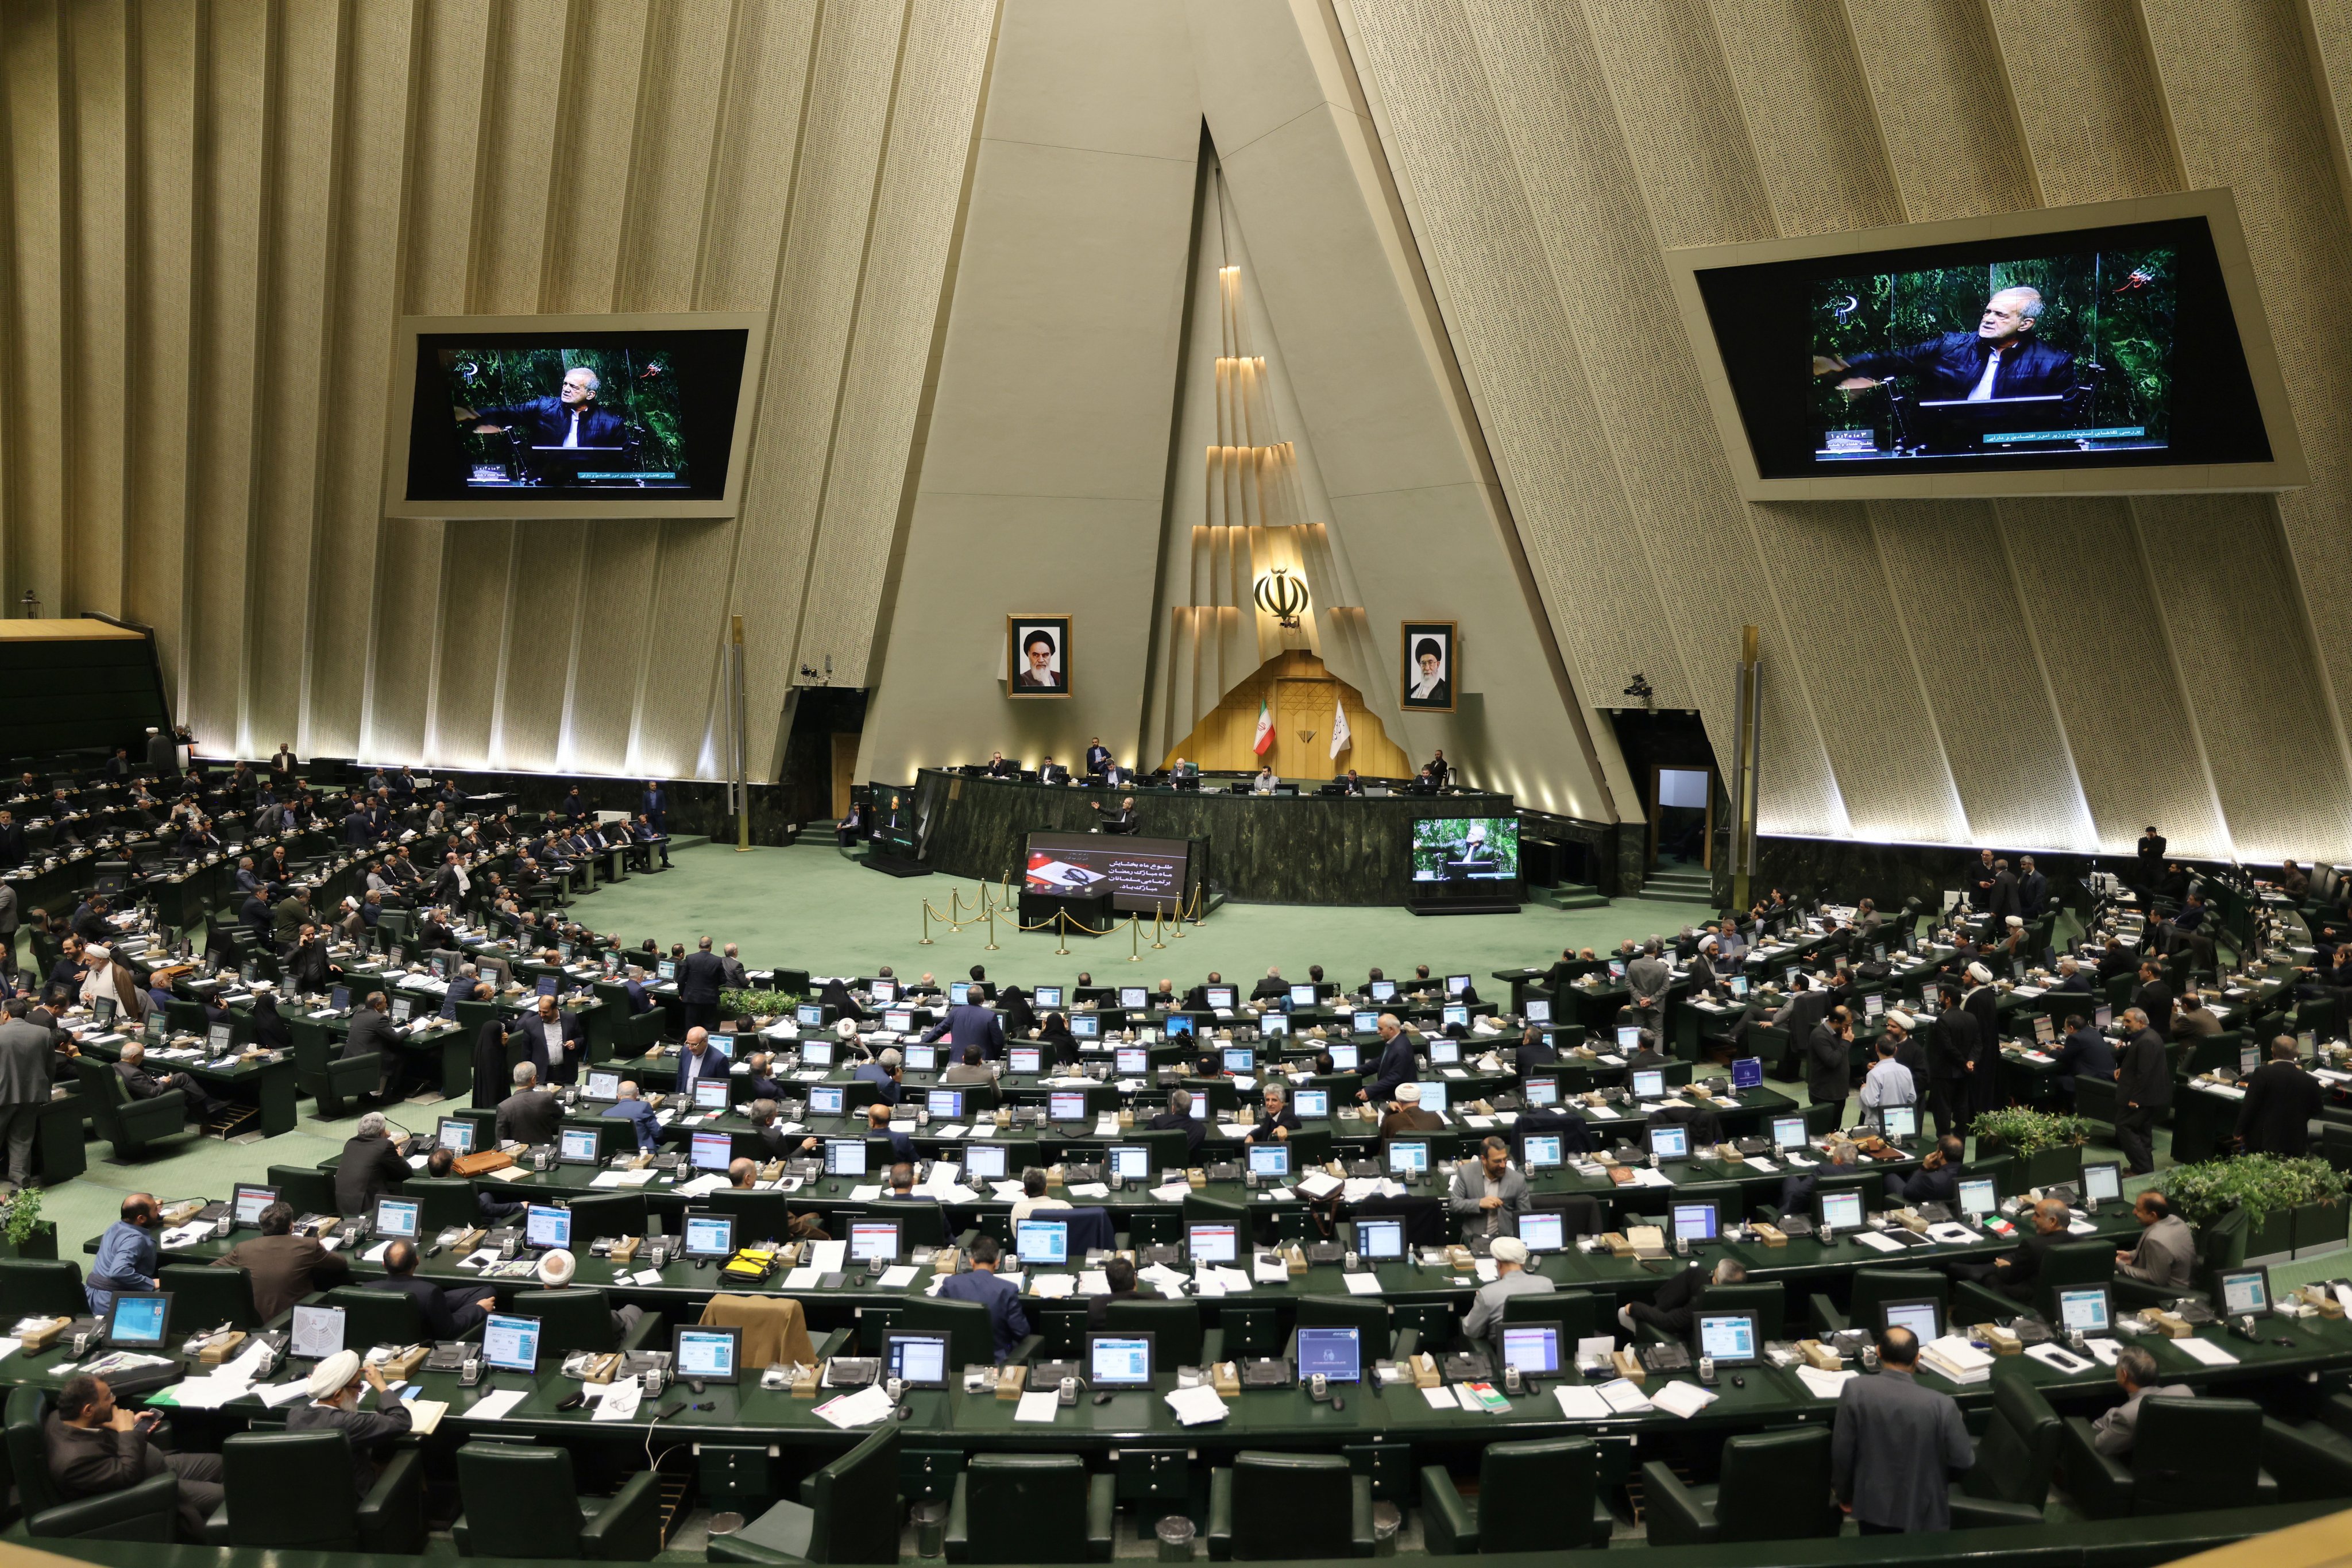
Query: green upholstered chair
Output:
(1030,1508)
(607,1213)
(49,1286)
(1543,1496)
(1580,1314)
(759,1215)
(291,1491)
(1268,1506)
(205,1296)
(2187,1456)
(1178,1338)
(1171,1150)
(374,1317)
(145,1512)
(2088,1262)
(442,1202)
(332,1080)
(1773,1486)
(133,1126)
(2312,1460)
(2009,1482)
(2221,1244)
(848,1512)
(307,1188)
(1871,1289)
(578,1318)
(1368,1315)
(522,1502)
(1769,1300)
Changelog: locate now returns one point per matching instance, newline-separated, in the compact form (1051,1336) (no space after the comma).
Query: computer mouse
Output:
(702,1263)
(695,1383)
(1337,1403)
(1103,1398)
(1738,1381)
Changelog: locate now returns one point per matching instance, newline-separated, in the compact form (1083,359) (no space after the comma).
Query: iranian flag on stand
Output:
(1265,728)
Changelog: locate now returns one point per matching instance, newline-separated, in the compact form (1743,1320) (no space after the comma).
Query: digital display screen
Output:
(547,1228)
(1899,1120)
(1452,1016)
(711,1152)
(1544,1230)
(1409,1155)
(1130,1162)
(1433,1093)
(1026,1059)
(1729,1337)
(959,993)
(1303,995)
(1269,1159)
(2083,1311)
(456,1135)
(665,969)
(1346,1056)
(871,1238)
(1132,1061)
(1312,1104)
(1381,1240)
(396,1217)
(2245,1292)
(1976,1197)
(2103,1182)
(1219,997)
(510,1343)
(1336,1353)
(1141,875)
(1086,1026)
(947,1103)
(317,1332)
(1670,1140)
(1240,1060)
(1119,1361)
(1542,1091)
(1134,997)
(919,1361)
(1066,1105)
(1694,1222)
(1464,850)
(139,1320)
(884,992)
(828,1099)
(1650,1083)
(710,1093)
(1534,1351)
(709,1234)
(809,1015)
(1047,996)
(1841,1210)
(1211,1243)
(1179,1026)
(1920,1316)
(1539,1150)
(814,1053)
(247,1202)
(901,1021)
(845,1156)
(577,1145)
(1041,1241)
(603,1085)
(1382,991)
(709,1354)
(1788,1132)
(533,417)
(984,1161)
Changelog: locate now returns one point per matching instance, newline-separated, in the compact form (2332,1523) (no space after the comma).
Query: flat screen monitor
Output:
(809,1015)
(1311,1104)
(1433,1093)
(1977,1197)
(723,1048)
(317,1332)
(2084,1308)
(919,1361)
(1026,1061)
(1454,1016)
(1179,1026)
(828,1099)
(339,998)
(2102,1015)
(711,1151)
(1206,1243)
(1541,1090)
(1789,1133)
(1539,1150)
(1046,997)
(1465,853)
(1218,998)
(1119,1361)
(2103,1182)
(1408,1154)
(1346,1056)
(2249,1059)
(1873,1005)
(706,1354)
(1841,1210)
(816,1053)
(1141,875)
(1670,1140)
(396,1217)
(944,1103)
(985,1161)
(603,1084)
(1533,1349)
(1066,1105)
(1538,1010)
(1043,1242)
(1269,1159)
(1650,1083)
(1899,1121)
(247,1201)
(1302,994)
(918,1058)
(1131,1061)
(1694,1219)
(1730,1338)
(845,1156)
(709,1234)
(1544,1230)
(216,1039)
(1240,1060)
(901,1021)
(1128,1162)
(1336,1354)
(578,1146)
(139,1320)
(873,1238)
(1629,1036)
(1200,1107)
(2245,1290)
(546,1228)
(1739,983)
(1134,999)
(1381,991)
(710,1093)
(958,993)
(1381,1240)
(1922,1315)
(455,1134)
(510,1343)
(1747,1072)
(1616,969)
(402,1007)
(546,985)
(884,992)
(665,969)
(1086,1026)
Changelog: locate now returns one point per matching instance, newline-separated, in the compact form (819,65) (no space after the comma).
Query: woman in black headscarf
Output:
(271,1032)
(492,1073)
(1055,1040)
(1019,1017)
(836,997)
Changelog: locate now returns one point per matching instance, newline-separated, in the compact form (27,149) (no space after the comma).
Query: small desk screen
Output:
(919,1361)
(1535,1351)
(1920,1316)
(547,1228)
(1899,1120)
(1976,1197)
(1381,1239)
(456,1135)
(248,1202)
(1130,1162)
(1212,1243)
(1042,1241)
(396,1217)
(1729,1337)
(1027,1059)
(709,1234)
(2104,1181)
(873,1238)
(2243,1293)
(1788,1132)
(1650,1083)
(1269,1159)
(2084,1311)
(1539,1151)
(1336,1353)
(139,1320)
(1133,997)
(1670,1140)
(1694,1222)
(825,1098)
(707,1353)
(1544,1230)
(845,1156)
(1132,1061)
(711,1152)
(1302,995)
(1312,1104)
(578,1145)
(1411,1155)
(1119,1361)
(1841,1210)
(510,1343)
(945,1102)
(1346,1056)
(1066,1106)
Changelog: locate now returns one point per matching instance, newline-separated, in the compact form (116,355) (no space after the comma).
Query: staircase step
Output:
(1657,895)
(1570,896)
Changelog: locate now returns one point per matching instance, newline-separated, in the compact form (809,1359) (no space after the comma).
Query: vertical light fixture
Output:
(1746,715)
(742,785)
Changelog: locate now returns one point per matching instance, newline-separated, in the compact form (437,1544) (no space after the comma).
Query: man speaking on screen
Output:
(571,419)
(2000,359)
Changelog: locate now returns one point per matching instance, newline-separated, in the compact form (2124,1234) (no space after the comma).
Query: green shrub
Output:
(23,1216)
(2024,1132)
(2262,1184)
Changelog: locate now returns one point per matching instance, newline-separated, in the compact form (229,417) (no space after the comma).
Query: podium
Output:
(1090,913)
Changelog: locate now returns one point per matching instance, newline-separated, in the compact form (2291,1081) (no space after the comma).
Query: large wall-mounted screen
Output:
(2108,356)
(574,417)
(1466,849)
(1141,874)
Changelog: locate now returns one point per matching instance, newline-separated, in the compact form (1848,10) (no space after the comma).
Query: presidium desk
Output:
(1306,849)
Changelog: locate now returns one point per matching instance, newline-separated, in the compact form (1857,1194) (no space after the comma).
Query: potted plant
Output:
(2046,1148)
(2290,1204)
(762,1007)
(23,1232)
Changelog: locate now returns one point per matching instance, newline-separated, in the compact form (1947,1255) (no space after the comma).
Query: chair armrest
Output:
(1976,1303)
(643,1331)
(1019,1354)
(1359,1514)
(2309,1462)
(1213,1346)
(1221,1514)
(958,1537)
(2337,1411)
(169,1109)
(1447,1525)
(1675,1518)
(216,1525)
(628,1529)
(1408,1344)
(391,1516)
(142,1512)
(2131,1292)
(1102,1515)
(1827,1318)
(2099,1486)
(1604,1524)
(1987,1513)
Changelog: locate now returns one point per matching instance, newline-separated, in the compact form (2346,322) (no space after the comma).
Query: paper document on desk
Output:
(1089,1190)
(186,1235)
(1580,1402)
(953,1130)
(376,1254)
(621,1400)
(707,1182)
(2081,1228)
(1011,1191)
(1318,1185)
(200,1393)
(1173,1192)
(1623,1397)
(801,1278)
(510,1174)
(1233,1278)
(899,1276)
(831,1256)
(1440,1398)
(866,1193)
(1824,1384)
(1683,1399)
(863,1408)
(1038,1406)
(1876,1242)
(494,1407)
(1196,1407)
(1600,1112)
(282,1393)
(1262,1272)
(1094,1282)
(2204,1351)
(1364,1284)
(1053,1287)
(1645,1177)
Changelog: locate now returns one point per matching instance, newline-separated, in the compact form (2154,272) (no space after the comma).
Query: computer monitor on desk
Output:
(708,1354)
(1731,1338)
(1670,1140)
(1532,1348)
(1206,1242)
(1838,1210)
(1044,1243)
(1336,1354)
(139,1320)
(2084,1308)
(709,1234)
(510,1343)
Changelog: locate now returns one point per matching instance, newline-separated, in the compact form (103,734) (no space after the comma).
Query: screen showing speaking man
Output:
(1466,849)
(1141,874)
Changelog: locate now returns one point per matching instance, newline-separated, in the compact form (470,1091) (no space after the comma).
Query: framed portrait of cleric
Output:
(1037,655)
(1432,665)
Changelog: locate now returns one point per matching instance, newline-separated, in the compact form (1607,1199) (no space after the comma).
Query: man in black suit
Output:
(1179,1118)
(2154,997)
(449,1314)
(1398,1047)
(699,976)
(2083,1053)
(12,842)
(1999,359)
(1097,755)
(2014,1276)
(370,1166)
(2282,1100)
(2143,1088)
(372,1032)
(1051,772)
(569,418)
(2151,851)
(1121,819)
(553,1041)
(1000,766)
(1273,987)
(530,1115)
(1350,784)
(2032,890)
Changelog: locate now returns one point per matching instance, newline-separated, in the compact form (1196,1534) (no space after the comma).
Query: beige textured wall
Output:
(216,211)
(2042,672)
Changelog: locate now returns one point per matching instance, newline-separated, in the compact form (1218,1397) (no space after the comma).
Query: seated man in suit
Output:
(371,1166)
(2086,1052)
(95,1447)
(974,1068)
(1120,820)
(1273,988)
(1002,767)
(144,1085)
(1116,775)
(1265,781)
(1277,1121)
(1179,1118)
(2014,1276)
(1937,1179)
(2135,1373)
(1349,784)
(1051,772)
(569,419)
(631,1108)
(449,1313)
(1675,1306)
(2166,1253)
(1405,1114)
(982,1285)
(285,1268)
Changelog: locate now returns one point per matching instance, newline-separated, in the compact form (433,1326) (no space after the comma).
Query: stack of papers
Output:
(493,1406)
(1364,1284)
(1580,1402)
(1683,1399)
(2204,1351)
(1955,1360)
(863,1408)
(1037,1406)
(1196,1407)
(1824,1384)
(1623,1398)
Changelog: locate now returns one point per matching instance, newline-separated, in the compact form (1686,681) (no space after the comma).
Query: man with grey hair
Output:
(529,1116)
(2003,357)
(632,1109)
(1647,979)
(2135,1375)
(1033,1195)
(571,419)
(1512,1278)
(1179,1118)
(370,1164)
